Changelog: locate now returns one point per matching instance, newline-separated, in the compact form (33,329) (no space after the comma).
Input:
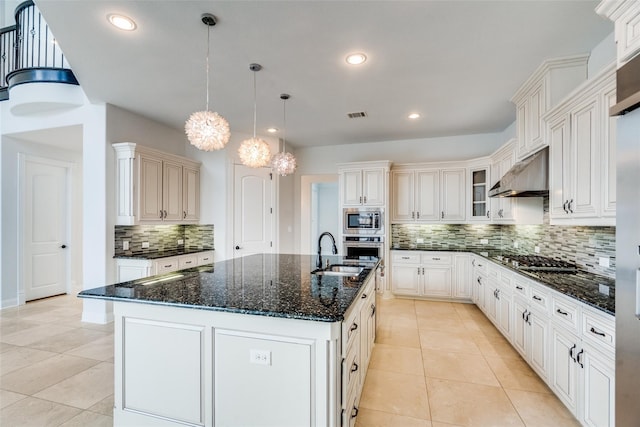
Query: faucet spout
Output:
(334,248)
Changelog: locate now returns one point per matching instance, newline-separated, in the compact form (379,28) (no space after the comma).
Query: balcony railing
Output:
(30,53)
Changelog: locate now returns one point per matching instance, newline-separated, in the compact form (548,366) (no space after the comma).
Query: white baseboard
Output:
(6,303)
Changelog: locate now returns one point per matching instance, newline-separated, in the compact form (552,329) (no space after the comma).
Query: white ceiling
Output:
(455,62)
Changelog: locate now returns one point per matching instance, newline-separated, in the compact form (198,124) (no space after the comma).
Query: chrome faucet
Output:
(334,248)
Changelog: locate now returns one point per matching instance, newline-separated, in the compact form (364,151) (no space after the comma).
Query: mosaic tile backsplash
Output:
(162,238)
(580,245)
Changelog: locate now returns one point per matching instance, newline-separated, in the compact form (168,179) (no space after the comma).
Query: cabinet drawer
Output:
(493,272)
(187,261)
(566,313)
(539,300)
(205,258)
(351,329)
(437,259)
(521,288)
(167,265)
(479,265)
(598,330)
(352,370)
(405,257)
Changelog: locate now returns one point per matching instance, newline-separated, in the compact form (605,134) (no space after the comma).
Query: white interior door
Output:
(253,222)
(45,262)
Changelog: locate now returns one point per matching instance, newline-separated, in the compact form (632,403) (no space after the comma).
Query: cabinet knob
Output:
(63,246)
(237,248)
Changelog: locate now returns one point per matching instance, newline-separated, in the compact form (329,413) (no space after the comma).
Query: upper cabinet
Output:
(626,16)
(363,183)
(502,208)
(155,187)
(582,172)
(428,195)
(479,202)
(551,82)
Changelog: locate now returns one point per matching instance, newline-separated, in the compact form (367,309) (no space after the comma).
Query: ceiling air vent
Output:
(357,115)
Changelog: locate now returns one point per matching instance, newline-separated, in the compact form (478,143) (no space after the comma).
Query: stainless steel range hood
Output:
(527,178)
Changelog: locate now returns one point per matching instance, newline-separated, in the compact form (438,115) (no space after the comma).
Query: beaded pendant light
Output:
(254,152)
(284,163)
(207,130)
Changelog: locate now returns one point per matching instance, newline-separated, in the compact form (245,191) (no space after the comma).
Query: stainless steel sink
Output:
(339,270)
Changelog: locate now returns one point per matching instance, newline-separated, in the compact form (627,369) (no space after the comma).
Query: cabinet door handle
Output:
(365,200)
(354,412)
(571,352)
(354,367)
(594,331)
(442,214)
(167,266)
(360,199)
(498,294)
(188,262)
(479,281)
(364,296)
(423,271)
(435,259)
(413,215)
(160,213)
(519,288)
(473,262)
(184,214)
(564,313)
(569,206)
(488,214)
(564,206)
(524,315)
(578,357)
(418,271)
(537,298)
(354,326)
(406,257)
(373,310)
(418,215)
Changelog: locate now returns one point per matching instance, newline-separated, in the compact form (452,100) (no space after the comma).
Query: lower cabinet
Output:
(133,269)
(436,275)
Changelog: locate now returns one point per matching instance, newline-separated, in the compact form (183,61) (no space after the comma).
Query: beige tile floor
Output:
(54,369)
(434,365)
(438,364)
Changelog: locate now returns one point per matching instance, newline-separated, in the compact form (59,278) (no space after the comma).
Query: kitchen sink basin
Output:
(339,270)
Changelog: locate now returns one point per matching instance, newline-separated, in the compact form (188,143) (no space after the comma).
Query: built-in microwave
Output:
(363,221)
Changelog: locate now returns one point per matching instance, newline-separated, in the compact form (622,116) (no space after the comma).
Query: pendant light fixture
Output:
(284,163)
(254,152)
(207,130)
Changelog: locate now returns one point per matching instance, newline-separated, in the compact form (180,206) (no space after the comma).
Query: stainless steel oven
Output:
(357,246)
(363,221)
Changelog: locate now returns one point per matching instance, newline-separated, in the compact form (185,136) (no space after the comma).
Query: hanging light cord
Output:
(255,105)
(207,67)
(284,125)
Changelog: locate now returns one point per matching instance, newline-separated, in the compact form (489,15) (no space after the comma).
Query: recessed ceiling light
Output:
(272,130)
(122,22)
(414,116)
(356,58)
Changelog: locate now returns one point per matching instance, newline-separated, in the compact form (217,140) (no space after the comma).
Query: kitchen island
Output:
(257,340)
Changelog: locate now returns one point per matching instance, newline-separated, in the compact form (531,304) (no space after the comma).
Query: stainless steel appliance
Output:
(527,178)
(628,257)
(538,263)
(357,246)
(363,221)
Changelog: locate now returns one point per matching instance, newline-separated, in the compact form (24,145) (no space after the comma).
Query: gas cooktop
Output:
(537,263)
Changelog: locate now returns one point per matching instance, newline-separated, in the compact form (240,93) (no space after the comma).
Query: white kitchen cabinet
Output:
(479,202)
(478,281)
(502,208)
(431,274)
(582,168)
(552,81)
(428,195)
(154,187)
(626,16)
(135,268)
(583,377)
(363,183)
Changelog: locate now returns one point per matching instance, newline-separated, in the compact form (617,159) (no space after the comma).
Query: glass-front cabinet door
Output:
(479,206)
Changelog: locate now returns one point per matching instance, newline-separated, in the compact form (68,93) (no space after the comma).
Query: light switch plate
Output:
(516,244)
(603,289)
(419,240)
(536,249)
(484,241)
(604,261)
(260,357)
(145,245)
(180,242)
(125,245)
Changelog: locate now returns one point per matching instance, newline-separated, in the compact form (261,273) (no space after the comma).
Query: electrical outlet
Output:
(145,245)
(516,244)
(125,245)
(484,241)
(603,289)
(260,357)
(604,261)
(536,249)
(180,242)
(419,240)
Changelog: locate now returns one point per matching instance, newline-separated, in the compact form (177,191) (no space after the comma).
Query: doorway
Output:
(253,211)
(44,222)
(319,211)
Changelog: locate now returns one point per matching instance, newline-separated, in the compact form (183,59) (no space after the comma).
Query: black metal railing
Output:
(7,58)
(30,53)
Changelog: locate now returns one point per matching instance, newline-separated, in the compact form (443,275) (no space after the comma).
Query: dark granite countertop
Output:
(277,285)
(581,285)
(160,254)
